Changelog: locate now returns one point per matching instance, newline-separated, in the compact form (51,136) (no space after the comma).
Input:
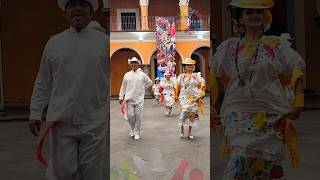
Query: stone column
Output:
(184,13)
(144,14)
(146,69)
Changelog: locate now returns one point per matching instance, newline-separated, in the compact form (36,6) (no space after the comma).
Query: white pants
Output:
(134,113)
(77,152)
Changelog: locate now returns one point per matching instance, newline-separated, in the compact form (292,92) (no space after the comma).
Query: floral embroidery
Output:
(241,167)
(256,123)
(271,41)
(269,49)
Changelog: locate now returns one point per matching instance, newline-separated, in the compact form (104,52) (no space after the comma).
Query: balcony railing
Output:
(134,23)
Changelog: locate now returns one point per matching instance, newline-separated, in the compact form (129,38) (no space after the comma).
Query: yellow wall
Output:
(187,48)
(145,49)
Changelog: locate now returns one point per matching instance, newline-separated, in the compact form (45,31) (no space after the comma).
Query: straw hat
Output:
(189,61)
(256,4)
(252,4)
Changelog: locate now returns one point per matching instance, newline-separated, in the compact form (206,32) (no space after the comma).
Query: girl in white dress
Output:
(256,109)
(167,89)
(155,89)
(190,88)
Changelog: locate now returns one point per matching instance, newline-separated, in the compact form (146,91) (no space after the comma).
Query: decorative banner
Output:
(166,45)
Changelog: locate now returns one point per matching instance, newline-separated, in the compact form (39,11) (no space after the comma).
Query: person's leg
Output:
(131,115)
(190,136)
(189,131)
(92,152)
(63,153)
(182,131)
(138,117)
(170,110)
(167,110)
(182,121)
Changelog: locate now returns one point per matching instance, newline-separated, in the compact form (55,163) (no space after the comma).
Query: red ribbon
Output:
(39,149)
(122,107)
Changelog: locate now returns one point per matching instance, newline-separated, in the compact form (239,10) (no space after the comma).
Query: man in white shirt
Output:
(73,82)
(132,93)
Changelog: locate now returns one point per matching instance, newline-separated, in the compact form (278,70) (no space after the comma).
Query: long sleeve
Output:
(290,59)
(42,88)
(148,81)
(123,88)
(221,58)
(294,65)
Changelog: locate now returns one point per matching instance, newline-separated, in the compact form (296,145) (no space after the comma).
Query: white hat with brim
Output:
(94,3)
(167,73)
(252,4)
(134,59)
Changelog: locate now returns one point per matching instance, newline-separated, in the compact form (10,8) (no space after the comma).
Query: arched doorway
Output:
(119,66)
(200,60)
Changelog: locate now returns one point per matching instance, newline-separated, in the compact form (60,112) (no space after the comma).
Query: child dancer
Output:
(167,89)
(155,89)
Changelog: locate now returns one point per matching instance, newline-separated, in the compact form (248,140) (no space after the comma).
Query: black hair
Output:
(238,13)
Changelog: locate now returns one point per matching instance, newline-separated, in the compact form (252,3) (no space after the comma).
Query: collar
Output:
(74,31)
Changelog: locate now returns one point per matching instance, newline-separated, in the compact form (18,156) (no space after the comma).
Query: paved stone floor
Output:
(159,152)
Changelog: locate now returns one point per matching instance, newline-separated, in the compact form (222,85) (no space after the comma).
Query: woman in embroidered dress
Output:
(190,88)
(167,89)
(155,89)
(260,98)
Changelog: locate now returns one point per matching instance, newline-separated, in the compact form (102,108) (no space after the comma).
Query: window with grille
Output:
(128,21)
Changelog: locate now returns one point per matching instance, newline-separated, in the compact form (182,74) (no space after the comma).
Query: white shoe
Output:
(181,135)
(131,133)
(136,137)
(190,136)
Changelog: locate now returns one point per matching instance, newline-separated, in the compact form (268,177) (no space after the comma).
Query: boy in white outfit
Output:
(73,82)
(132,93)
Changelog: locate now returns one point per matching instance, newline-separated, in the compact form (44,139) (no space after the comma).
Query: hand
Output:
(120,101)
(34,126)
(295,114)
